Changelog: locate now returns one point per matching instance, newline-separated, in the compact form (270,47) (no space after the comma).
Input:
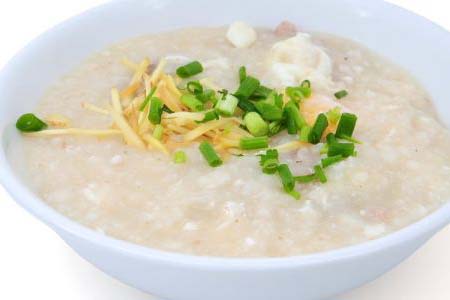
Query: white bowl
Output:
(407,39)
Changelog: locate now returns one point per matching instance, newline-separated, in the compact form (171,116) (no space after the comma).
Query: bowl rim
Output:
(60,223)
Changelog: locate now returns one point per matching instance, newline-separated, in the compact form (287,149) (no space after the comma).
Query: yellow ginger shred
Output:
(153,142)
(130,136)
(130,90)
(171,100)
(140,71)
(158,72)
(204,128)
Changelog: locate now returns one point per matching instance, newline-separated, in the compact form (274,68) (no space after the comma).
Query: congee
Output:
(237,142)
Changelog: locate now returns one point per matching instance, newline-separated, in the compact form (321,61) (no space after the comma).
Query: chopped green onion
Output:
(334,115)
(286,177)
(190,69)
(227,105)
(317,130)
(246,105)
(194,87)
(304,133)
(158,132)
(268,111)
(207,95)
(242,74)
(305,178)
(247,88)
(277,99)
(341,94)
(306,84)
(262,92)
(255,124)
(346,125)
(320,174)
(192,102)
(30,123)
(210,154)
(295,94)
(253,143)
(156,109)
(147,99)
(179,157)
(298,93)
(291,126)
(328,161)
(209,116)
(293,113)
(344,149)
(269,161)
(331,138)
(275,127)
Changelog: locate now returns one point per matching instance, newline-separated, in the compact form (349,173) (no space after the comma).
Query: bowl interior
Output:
(411,41)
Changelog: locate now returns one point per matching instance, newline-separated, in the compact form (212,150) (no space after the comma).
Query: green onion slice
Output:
(317,130)
(209,116)
(192,102)
(275,127)
(298,93)
(306,84)
(262,92)
(30,123)
(194,87)
(207,95)
(320,174)
(269,161)
(334,115)
(253,143)
(242,74)
(190,69)
(255,124)
(227,105)
(304,133)
(346,125)
(268,111)
(246,105)
(341,94)
(287,179)
(147,99)
(179,157)
(247,88)
(156,109)
(305,178)
(328,161)
(210,154)
(344,149)
(292,112)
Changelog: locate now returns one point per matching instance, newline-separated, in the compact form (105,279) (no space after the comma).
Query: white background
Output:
(36,264)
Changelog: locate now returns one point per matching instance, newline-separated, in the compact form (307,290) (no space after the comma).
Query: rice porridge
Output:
(136,179)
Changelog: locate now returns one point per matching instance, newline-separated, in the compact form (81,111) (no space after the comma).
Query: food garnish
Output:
(341,94)
(167,112)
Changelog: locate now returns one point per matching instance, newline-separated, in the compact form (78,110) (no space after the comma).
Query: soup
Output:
(238,142)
